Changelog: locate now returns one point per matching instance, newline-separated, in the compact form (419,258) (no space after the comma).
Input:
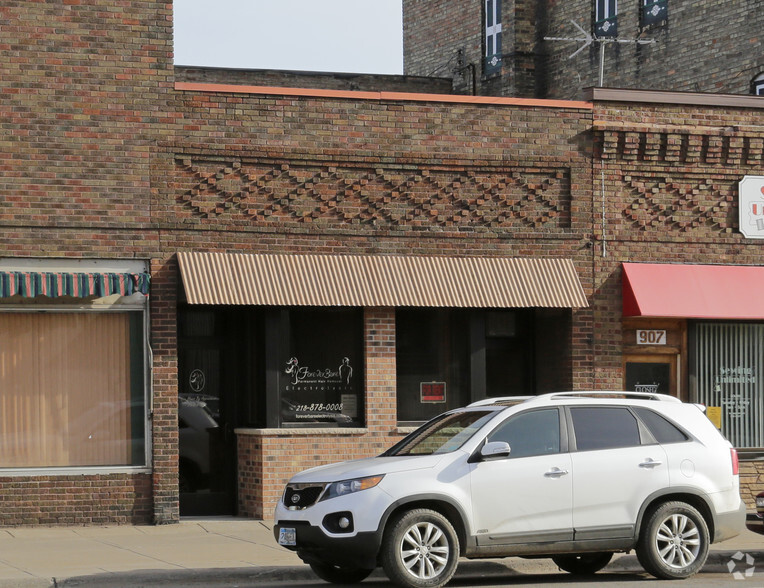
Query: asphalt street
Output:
(624,571)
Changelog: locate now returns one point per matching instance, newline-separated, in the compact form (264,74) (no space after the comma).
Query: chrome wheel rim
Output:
(424,550)
(678,541)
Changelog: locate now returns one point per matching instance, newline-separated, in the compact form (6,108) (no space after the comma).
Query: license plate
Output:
(287,536)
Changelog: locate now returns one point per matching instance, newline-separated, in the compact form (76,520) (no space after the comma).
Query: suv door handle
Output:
(556,473)
(650,463)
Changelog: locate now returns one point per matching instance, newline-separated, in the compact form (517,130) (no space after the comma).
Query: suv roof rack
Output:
(501,401)
(615,394)
(582,394)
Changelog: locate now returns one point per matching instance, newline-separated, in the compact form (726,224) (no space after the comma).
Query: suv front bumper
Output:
(313,545)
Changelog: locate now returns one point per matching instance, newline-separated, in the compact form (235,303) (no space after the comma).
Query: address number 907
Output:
(651,337)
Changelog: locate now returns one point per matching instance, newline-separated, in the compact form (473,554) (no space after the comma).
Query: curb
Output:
(718,562)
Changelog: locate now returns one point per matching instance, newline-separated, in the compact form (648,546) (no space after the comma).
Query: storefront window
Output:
(508,353)
(447,358)
(72,389)
(433,362)
(727,373)
(321,379)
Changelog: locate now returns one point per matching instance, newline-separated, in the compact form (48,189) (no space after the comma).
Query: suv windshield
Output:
(443,434)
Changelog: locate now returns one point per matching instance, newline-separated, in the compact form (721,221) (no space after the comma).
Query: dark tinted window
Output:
(663,430)
(654,11)
(321,367)
(530,433)
(757,86)
(604,428)
(605,18)
(432,348)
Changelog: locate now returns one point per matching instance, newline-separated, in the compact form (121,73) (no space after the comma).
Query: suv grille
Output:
(299,496)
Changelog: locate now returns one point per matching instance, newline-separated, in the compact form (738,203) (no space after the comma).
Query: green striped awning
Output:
(78,285)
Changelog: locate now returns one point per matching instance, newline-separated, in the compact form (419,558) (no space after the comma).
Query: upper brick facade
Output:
(84,97)
(444,38)
(702,46)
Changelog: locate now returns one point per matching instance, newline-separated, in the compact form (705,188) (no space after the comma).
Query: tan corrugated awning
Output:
(357,280)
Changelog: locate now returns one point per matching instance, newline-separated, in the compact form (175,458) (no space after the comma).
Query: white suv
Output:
(573,476)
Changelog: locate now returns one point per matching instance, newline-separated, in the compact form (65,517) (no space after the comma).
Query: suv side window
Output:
(535,432)
(663,430)
(604,428)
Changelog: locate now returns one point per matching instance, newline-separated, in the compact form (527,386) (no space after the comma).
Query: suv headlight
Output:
(349,486)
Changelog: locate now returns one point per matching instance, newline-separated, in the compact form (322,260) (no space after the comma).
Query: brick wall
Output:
(445,38)
(75,499)
(703,46)
(442,38)
(83,89)
(315,149)
(751,482)
(670,181)
(84,99)
(164,416)
(328,81)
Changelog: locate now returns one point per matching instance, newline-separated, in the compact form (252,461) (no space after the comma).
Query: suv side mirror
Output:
(495,449)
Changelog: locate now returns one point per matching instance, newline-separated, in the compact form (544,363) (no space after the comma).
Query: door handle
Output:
(650,463)
(556,473)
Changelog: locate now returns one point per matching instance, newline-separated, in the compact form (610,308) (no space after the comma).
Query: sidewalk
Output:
(34,556)
(44,556)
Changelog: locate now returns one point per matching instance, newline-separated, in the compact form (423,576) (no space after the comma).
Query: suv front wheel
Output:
(420,550)
(674,541)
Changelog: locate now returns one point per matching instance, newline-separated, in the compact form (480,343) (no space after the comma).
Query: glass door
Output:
(207,444)
(655,374)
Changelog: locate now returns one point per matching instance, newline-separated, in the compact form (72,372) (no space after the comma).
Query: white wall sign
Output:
(751,207)
(651,337)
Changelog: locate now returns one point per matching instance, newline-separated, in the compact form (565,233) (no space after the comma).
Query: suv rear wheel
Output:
(674,541)
(420,550)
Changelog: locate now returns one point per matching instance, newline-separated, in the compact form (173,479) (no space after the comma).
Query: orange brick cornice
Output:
(204,87)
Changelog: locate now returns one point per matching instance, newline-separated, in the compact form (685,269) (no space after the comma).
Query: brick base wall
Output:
(267,459)
(751,481)
(76,500)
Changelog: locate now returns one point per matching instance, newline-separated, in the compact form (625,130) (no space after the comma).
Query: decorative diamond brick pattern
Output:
(266,192)
(666,203)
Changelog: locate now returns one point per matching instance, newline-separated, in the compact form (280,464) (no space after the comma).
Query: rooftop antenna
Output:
(588,39)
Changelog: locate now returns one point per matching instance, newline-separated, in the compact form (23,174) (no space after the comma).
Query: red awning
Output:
(693,291)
